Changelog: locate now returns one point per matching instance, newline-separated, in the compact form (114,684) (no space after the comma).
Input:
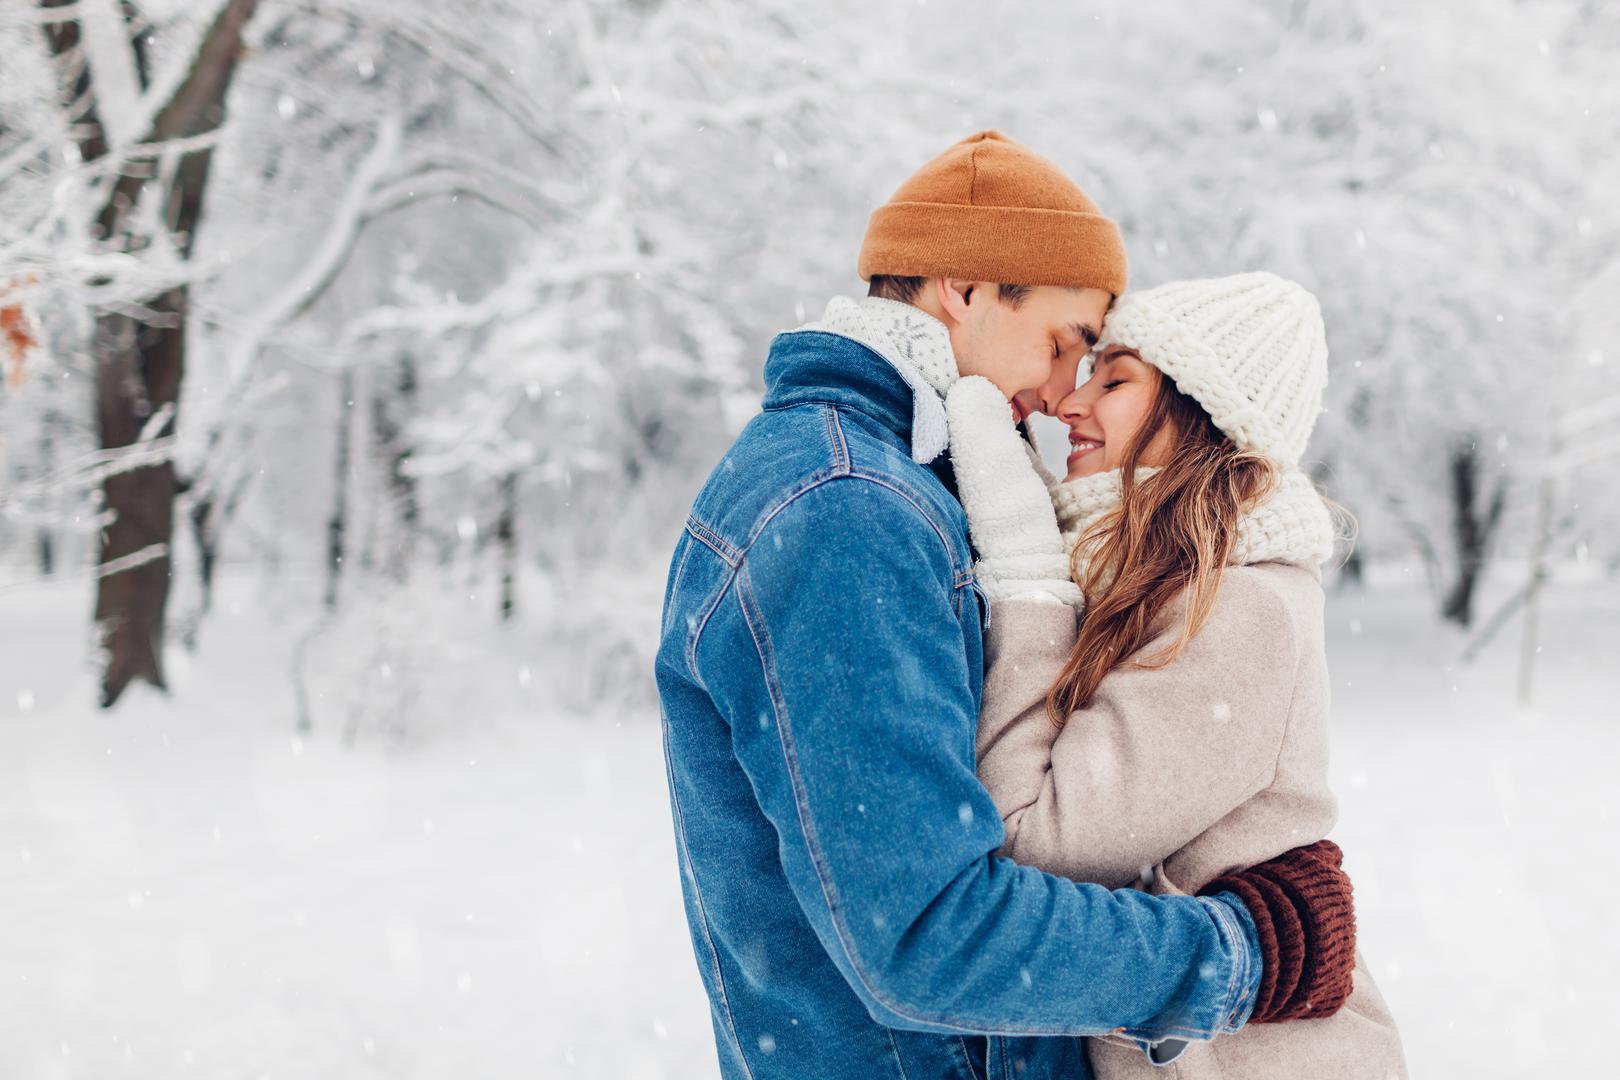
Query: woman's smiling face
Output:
(1105,412)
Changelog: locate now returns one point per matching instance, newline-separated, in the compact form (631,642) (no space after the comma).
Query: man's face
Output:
(1032,351)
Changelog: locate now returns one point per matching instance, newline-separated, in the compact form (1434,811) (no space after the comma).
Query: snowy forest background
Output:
(360,359)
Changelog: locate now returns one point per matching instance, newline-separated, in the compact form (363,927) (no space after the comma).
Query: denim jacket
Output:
(819,671)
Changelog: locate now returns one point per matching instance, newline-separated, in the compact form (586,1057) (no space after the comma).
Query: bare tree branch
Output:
(197,104)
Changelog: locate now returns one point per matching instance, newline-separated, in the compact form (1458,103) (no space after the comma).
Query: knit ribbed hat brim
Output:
(991,209)
(1016,245)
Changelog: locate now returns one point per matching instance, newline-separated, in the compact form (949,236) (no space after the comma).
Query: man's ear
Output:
(955,295)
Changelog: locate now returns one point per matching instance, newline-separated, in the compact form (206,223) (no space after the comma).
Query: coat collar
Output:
(815,366)
(914,345)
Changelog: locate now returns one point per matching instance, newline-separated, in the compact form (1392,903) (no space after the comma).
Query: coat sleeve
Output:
(852,701)
(1158,756)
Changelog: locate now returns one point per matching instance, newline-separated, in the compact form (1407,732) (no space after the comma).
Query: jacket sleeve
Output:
(853,717)
(1159,754)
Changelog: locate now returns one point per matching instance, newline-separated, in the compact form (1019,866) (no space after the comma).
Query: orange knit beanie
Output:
(991,209)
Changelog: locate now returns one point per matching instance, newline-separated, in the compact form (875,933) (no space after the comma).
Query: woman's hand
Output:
(1009,507)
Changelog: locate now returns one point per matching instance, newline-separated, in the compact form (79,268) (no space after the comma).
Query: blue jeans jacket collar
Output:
(811,366)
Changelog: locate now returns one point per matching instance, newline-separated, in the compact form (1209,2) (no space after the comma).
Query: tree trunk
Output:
(401,513)
(1354,571)
(139,365)
(506,541)
(45,540)
(205,533)
(337,521)
(1473,528)
(46,549)
(138,372)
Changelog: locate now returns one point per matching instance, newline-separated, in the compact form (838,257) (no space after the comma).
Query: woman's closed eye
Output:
(1110,384)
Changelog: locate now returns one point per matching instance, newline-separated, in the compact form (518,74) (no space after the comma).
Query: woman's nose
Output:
(1072,407)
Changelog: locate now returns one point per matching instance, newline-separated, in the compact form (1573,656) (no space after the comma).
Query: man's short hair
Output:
(905,289)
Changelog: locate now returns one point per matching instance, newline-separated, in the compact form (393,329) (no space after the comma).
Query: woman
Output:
(1156,688)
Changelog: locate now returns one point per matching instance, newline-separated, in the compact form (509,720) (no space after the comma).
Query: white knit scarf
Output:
(915,344)
(1292,525)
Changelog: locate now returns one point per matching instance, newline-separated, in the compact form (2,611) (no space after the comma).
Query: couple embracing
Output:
(981,772)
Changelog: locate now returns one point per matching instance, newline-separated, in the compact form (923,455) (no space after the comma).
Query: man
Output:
(820,668)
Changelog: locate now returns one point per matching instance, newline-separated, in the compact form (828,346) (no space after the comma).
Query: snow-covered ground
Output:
(187,887)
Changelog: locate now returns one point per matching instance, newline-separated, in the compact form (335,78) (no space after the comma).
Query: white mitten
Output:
(1033,449)
(1009,508)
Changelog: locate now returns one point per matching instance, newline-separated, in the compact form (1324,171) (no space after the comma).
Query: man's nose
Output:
(1060,385)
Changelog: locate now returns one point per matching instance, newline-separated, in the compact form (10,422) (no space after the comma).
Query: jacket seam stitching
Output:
(853,474)
(791,405)
(962,580)
(898,1063)
(840,448)
(1229,930)
(674,587)
(967,1059)
(703,910)
(1293,696)
(883,481)
(704,534)
(703,624)
(1236,933)
(714,541)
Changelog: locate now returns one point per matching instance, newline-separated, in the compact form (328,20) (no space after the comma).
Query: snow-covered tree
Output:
(475,296)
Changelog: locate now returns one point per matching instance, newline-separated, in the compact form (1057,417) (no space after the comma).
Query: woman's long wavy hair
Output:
(1172,531)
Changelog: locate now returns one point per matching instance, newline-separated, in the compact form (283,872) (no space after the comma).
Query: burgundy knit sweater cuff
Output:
(1305,915)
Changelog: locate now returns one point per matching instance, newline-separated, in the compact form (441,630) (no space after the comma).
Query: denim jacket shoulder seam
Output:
(713,541)
(735,558)
(819,479)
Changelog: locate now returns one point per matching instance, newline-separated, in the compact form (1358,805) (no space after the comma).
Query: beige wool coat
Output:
(1215,762)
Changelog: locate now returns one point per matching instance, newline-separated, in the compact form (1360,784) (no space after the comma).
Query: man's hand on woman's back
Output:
(1304,911)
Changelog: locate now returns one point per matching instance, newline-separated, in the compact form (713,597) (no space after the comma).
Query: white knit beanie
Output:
(1250,348)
